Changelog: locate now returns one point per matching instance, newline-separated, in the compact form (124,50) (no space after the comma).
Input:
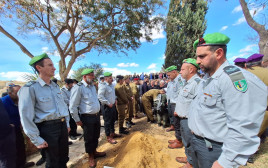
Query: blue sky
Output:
(223,16)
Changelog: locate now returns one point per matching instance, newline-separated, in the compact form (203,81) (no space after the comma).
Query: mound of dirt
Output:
(145,147)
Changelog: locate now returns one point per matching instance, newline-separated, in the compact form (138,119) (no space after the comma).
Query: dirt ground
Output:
(145,146)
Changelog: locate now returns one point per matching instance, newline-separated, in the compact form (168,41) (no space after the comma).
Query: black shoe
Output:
(153,122)
(40,161)
(159,124)
(251,159)
(122,131)
(70,143)
(72,137)
(132,123)
(29,164)
(164,126)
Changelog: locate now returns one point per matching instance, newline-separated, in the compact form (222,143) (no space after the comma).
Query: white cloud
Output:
(155,42)
(248,48)
(152,66)
(104,64)
(153,71)
(117,71)
(70,73)
(162,57)
(128,64)
(223,28)
(44,49)
(253,12)
(14,75)
(237,9)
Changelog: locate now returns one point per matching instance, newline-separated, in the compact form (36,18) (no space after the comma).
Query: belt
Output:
(208,141)
(183,118)
(172,103)
(61,120)
(90,115)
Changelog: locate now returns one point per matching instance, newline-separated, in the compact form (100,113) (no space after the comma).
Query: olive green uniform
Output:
(129,108)
(136,96)
(122,102)
(147,100)
(261,73)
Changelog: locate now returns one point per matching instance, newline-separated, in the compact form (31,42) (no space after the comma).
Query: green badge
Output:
(241,85)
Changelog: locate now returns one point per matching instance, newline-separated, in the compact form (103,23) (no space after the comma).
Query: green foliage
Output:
(30,76)
(185,23)
(98,70)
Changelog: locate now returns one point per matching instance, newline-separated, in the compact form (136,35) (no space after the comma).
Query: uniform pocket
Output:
(209,100)
(44,99)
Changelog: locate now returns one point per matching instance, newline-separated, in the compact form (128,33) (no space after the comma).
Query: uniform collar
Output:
(85,83)
(43,83)
(218,72)
(192,78)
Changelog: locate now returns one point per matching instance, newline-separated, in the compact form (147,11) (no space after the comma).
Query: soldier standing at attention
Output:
(136,96)
(129,109)
(226,114)
(186,95)
(84,97)
(172,92)
(106,95)
(44,115)
(122,103)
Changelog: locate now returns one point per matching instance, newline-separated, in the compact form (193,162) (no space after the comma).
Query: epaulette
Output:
(180,81)
(28,84)
(237,77)
(79,83)
(197,80)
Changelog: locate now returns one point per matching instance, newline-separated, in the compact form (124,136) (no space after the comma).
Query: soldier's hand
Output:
(79,123)
(175,114)
(43,145)
(69,129)
(110,105)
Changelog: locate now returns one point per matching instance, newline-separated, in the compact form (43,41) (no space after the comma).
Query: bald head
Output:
(187,71)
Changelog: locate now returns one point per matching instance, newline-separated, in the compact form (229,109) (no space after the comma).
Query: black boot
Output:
(128,124)
(123,131)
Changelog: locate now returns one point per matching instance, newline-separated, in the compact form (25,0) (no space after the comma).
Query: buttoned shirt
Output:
(222,113)
(84,97)
(40,102)
(106,93)
(173,89)
(186,96)
(66,93)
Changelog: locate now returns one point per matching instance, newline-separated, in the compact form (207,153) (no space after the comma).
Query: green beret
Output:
(191,61)
(38,58)
(171,68)
(215,39)
(106,74)
(87,71)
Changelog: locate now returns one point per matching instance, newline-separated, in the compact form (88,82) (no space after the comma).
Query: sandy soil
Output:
(145,146)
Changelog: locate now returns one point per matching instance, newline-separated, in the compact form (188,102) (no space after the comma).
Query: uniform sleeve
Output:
(101,96)
(26,109)
(65,97)
(75,100)
(244,113)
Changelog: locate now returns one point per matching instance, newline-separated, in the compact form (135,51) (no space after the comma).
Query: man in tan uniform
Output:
(129,108)
(147,100)
(122,102)
(136,96)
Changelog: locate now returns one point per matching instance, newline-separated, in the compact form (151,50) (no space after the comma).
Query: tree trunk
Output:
(260,29)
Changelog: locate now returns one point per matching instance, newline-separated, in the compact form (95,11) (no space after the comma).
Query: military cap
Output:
(213,39)
(101,76)
(171,68)
(106,74)
(68,81)
(255,58)
(120,77)
(87,71)
(191,61)
(136,79)
(38,58)
(240,60)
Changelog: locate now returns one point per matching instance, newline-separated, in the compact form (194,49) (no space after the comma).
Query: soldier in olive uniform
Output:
(136,95)
(129,109)
(122,102)
(147,100)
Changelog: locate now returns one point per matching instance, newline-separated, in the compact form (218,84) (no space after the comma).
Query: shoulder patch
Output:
(180,81)
(237,77)
(197,80)
(28,84)
(80,84)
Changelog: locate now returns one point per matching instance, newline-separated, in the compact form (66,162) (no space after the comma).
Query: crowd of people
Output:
(218,118)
